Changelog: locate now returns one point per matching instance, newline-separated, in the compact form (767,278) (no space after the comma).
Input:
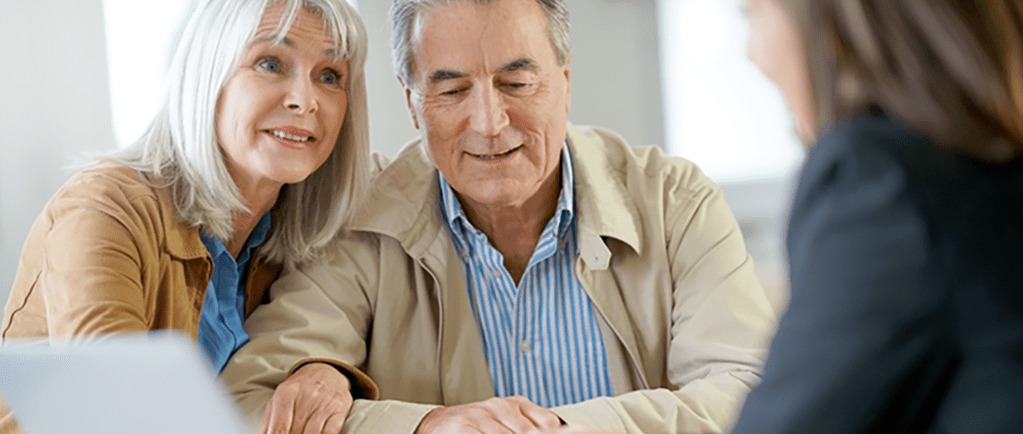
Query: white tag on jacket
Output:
(594,252)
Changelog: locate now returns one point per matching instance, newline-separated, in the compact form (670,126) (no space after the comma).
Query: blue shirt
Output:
(223,309)
(540,338)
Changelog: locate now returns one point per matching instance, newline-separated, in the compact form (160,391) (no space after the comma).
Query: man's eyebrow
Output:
(515,65)
(518,65)
(445,74)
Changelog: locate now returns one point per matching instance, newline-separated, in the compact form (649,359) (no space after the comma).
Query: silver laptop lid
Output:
(153,383)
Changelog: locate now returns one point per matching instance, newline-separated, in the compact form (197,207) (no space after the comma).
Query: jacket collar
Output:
(404,199)
(604,208)
(182,240)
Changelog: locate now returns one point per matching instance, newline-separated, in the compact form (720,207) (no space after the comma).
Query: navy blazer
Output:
(906,314)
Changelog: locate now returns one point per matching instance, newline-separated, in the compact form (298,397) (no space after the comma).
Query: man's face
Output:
(490,99)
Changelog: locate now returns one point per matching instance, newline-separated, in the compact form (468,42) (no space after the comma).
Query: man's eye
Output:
(269,64)
(451,92)
(515,86)
(330,77)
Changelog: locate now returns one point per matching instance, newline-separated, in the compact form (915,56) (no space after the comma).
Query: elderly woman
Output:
(254,162)
(906,235)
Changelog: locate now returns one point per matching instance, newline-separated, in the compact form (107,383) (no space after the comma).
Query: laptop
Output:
(152,383)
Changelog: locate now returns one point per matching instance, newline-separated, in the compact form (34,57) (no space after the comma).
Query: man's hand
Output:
(315,399)
(495,415)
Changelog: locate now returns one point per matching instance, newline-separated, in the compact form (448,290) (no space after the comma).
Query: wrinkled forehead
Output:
(281,17)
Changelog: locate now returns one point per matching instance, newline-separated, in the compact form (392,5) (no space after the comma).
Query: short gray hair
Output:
(405,13)
(181,150)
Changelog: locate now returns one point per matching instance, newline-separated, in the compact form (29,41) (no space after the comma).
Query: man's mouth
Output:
(495,156)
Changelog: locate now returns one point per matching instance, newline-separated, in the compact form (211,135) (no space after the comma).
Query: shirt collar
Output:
(215,246)
(259,232)
(566,201)
(454,216)
(460,226)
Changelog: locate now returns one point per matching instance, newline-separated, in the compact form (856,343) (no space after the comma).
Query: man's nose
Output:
(488,113)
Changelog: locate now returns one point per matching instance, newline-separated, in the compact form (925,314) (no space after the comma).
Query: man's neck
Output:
(515,230)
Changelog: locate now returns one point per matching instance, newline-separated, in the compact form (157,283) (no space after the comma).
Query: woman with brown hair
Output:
(905,239)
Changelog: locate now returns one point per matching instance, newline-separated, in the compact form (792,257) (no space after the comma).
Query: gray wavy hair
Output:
(405,13)
(181,151)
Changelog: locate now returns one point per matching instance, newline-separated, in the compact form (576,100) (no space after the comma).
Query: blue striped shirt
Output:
(223,309)
(540,338)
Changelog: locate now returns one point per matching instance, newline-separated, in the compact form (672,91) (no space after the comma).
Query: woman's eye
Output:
(330,77)
(269,64)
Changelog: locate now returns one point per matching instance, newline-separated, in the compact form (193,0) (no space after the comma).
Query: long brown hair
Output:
(952,69)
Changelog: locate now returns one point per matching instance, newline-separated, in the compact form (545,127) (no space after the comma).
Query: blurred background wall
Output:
(54,105)
(82,76)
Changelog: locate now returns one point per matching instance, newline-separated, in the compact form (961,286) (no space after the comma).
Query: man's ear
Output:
(568,82)
(408,102)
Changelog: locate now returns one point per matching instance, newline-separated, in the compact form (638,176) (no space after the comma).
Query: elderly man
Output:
(509,271)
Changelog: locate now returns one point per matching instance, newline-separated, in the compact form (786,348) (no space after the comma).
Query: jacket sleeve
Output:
(91,275)
(862,323)
(320,312)
(721,323)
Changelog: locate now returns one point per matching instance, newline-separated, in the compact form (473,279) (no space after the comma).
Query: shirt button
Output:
(495,273)
(525,346)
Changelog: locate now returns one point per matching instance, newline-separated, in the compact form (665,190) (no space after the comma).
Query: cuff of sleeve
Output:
(363,387)
(595,413)
(386,416)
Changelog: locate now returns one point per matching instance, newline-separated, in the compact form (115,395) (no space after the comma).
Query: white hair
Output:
(181,149)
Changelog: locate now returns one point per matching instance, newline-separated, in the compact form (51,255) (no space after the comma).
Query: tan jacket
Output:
(108,255)
(684,320)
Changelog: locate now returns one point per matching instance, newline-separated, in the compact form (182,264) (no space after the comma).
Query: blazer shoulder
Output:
(876,141)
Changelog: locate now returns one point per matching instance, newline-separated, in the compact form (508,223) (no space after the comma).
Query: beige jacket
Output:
(108,255)
(684,320)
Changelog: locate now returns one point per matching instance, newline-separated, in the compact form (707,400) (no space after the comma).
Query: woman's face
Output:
(280,112)
(776,47)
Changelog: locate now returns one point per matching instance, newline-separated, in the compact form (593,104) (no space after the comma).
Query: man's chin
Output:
(501,193)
